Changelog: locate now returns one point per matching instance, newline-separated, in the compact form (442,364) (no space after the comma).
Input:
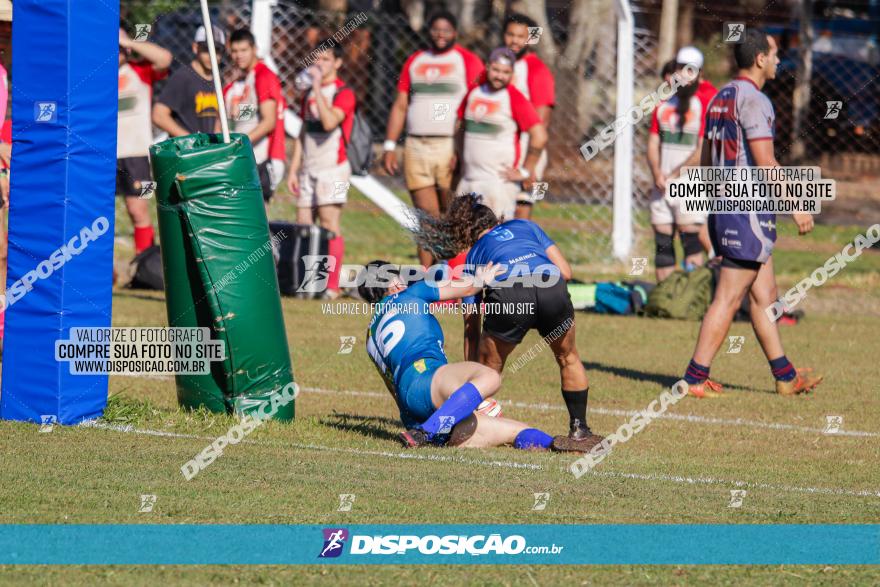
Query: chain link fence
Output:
(577,209)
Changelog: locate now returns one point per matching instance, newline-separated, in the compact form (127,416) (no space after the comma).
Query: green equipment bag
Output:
(681,296)
(220,272)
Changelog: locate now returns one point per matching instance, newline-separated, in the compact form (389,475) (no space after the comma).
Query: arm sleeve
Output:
(424,291)
(655,122)
(345,100)
(545,241)
(144,70)
(756,116)
(542,86)
(473,69)
(405,82)
(524,114)
(268,87)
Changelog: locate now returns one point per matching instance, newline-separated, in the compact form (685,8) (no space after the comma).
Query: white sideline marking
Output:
(378,453)
(510,465)
(667,416)
(714,481)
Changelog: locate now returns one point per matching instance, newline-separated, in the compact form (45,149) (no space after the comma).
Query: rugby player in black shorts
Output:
(532,293)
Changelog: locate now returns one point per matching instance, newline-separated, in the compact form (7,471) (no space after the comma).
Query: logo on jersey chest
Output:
(431,72)
(480,108)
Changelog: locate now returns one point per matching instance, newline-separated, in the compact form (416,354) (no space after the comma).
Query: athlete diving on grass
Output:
(436,398)
(533,279)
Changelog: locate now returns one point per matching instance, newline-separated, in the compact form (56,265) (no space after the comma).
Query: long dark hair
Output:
(455,231)
(684,95)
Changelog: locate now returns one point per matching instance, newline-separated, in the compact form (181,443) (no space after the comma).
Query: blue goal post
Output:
(61,217)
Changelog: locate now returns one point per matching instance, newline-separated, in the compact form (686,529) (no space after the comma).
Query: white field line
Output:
(511,465)
(626,413)
(377,453)
(692,418)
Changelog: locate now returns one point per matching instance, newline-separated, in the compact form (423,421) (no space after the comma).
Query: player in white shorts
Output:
(319,168)
(676,134)
(491,118)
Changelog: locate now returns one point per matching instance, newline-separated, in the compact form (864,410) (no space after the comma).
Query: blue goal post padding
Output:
(64,104)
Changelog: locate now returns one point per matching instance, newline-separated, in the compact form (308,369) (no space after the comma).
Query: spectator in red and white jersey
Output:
(319,168)
(676,133)
(491,118)
(141,63)
(255,107)
(432,83)
(705,93)
(534,80)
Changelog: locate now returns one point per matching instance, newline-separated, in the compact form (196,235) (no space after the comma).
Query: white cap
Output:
(201,37)
(690,56)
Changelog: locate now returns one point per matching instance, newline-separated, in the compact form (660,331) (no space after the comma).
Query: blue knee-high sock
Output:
(459,406)
(532,438)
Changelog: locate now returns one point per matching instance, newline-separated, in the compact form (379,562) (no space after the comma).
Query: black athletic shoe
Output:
(569,444)
(414,438)
(578,430)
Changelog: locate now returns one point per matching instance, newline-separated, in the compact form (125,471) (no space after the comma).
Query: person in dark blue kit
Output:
(530,292)
(740,132)
(436,398)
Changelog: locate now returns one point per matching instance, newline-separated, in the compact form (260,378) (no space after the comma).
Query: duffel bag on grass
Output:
(682,296)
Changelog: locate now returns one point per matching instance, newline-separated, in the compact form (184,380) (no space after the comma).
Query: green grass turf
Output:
(343,442)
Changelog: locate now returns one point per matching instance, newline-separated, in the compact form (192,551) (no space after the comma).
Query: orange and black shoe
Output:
(804,382)
(707,388)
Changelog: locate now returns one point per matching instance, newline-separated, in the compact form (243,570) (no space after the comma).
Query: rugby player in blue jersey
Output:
(530,292)
(436,398)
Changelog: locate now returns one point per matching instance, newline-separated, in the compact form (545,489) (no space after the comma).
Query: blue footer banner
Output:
(146,544)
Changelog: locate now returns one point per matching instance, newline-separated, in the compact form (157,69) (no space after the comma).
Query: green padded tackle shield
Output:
(220,270)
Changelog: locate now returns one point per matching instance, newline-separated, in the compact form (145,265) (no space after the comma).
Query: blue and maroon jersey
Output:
(740,113)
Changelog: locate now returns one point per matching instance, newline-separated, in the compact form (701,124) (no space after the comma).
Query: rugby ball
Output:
(490,408)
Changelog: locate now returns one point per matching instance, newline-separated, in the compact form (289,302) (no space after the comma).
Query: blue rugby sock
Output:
(532,438)
(459,406)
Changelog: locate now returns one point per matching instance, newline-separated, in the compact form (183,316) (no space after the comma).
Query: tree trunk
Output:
(333,5)
(583,22)
(537,9)
(415,13)
(668,27)
(686,23)
(464,11)
(803,79)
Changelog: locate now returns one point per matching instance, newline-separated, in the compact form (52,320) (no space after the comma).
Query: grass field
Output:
(680,469)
